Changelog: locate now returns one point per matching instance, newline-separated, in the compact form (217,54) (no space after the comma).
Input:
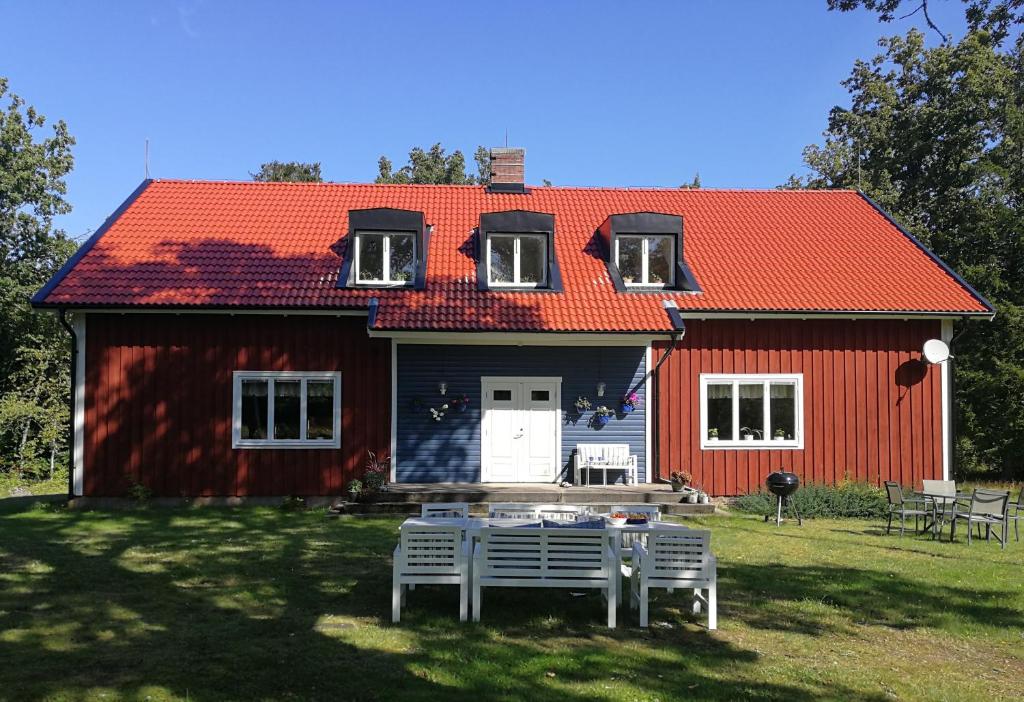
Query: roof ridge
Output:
(585,188)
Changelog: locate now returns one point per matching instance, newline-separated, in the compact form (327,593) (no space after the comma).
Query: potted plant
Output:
(601,416)
(438,414)
(629,402)
(461,402)
(780,435)
(582,404)
(376,475)
(355,488)
(747,433)
(691,497)
(679,479)
(713,434)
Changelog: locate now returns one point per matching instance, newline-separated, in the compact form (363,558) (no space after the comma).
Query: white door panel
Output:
(520,435)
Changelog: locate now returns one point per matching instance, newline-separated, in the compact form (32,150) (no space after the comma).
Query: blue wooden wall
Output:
(449,450)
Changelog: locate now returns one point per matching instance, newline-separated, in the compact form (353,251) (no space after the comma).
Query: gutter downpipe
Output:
(678,332)
(62,316)
(954,408)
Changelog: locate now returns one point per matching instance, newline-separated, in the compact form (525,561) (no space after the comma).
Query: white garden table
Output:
(471,530)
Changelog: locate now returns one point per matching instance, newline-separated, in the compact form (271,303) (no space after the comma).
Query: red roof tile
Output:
(188,243)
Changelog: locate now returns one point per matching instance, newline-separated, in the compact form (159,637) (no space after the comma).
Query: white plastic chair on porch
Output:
(605,457)
(430,555)
(673,559)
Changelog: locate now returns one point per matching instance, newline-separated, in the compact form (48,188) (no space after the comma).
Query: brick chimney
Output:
(508,170)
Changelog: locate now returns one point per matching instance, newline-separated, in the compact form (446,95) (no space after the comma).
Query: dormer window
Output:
(644,252)
(386,248)
(516,251)
(518,260)
(385,258)
(646,260)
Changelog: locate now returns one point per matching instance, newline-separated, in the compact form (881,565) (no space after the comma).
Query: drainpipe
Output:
(953,406)
(678,332)
(62,316)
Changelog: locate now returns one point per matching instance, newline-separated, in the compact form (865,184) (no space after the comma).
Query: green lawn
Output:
(259,604)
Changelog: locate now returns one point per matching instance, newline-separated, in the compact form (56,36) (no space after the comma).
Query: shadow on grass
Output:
(258,604)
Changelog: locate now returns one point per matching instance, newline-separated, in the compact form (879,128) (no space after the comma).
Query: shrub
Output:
(293,503)
(140,493)
(846,499)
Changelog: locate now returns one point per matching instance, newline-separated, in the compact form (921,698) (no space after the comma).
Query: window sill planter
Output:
(626,409)
(600,420)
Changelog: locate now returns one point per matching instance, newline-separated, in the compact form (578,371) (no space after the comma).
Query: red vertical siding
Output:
(871,410)
(158,401)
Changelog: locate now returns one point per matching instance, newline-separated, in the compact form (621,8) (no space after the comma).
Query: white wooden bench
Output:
(430,555)
(677,558)
(535,557)
(605,457)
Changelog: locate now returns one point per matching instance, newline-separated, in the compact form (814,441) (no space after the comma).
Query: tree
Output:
(290,172)
(693,184)
(437,167)
(34,354)
(935,135)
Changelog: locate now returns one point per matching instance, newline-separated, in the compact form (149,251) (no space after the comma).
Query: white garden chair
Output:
(675,558)
(605,457)
(430,555)
(551,558)
(512,510)
(445,510)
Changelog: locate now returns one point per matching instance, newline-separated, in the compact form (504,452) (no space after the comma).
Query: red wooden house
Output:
(260,338)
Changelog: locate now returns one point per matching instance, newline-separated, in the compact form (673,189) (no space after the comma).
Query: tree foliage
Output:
(936,136)
(436,166)
(288,172)
(34,356)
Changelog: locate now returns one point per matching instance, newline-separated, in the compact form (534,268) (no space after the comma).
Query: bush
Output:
(846,499)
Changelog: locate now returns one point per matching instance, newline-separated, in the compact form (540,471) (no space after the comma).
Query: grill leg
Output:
(778,512)
(799,519)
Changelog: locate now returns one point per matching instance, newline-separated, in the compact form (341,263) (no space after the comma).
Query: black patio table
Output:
(935,497)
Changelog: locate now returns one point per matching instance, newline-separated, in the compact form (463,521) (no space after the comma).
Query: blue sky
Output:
(598,93)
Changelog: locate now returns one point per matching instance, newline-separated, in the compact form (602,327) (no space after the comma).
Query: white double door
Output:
(521,431)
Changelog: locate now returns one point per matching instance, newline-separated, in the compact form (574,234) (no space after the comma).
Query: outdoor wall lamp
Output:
(442,388)
(600,389)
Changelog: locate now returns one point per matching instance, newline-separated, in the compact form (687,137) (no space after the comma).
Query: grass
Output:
(57,485)
(261,604)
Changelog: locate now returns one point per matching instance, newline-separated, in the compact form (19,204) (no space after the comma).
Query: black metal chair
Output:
(988,508)
(905,507)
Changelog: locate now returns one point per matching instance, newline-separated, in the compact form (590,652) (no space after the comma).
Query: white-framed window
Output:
(763,411)
(646,259)
(517,260)
(385,258)
(286,409)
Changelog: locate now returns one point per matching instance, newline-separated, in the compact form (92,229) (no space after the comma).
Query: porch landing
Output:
(407,497)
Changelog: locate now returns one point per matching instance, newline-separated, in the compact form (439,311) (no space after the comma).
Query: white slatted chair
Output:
(559,558)
(430,555)
(512,510)
(445,510)
(605,457)
(672,559)
(563,513)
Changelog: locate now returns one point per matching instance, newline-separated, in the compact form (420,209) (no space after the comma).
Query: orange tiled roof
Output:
(245,244)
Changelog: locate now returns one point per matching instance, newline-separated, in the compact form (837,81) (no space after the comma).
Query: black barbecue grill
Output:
(782,484)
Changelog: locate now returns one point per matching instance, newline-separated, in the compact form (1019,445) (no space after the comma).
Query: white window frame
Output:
(302,442)
(386,280)
(645,260)
(766,442)
(516,261)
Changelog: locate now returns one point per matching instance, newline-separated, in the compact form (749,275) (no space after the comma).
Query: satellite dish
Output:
(935,351)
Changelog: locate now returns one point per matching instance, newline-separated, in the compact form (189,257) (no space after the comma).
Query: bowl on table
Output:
(636,518)
(617,518)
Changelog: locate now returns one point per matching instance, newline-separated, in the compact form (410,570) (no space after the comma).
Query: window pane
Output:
(631,259)
(371,257)
(783,409)
(320,409)
(531,259)
(254,409)
(752,409)
(720,410)
(403,263)
(502,252)
(503,395)
(540,395)
(660,260)
(287,395)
